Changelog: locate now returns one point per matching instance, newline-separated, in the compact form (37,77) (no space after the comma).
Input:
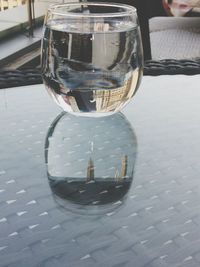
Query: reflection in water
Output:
(90,161)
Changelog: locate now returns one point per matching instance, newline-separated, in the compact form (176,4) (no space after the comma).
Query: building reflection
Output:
(119,175)
(90,171)
(101,100)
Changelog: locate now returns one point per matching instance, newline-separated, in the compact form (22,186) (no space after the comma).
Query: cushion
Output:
(164,23)
(176,38)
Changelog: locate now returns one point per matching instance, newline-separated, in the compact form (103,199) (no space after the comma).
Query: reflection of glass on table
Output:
(90,160)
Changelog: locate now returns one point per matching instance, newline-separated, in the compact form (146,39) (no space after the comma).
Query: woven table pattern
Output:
(156,224)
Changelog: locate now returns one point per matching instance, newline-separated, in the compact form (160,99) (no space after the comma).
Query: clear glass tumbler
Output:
(92,57)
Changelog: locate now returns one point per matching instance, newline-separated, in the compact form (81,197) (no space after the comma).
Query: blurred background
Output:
(21,24)
(170,29)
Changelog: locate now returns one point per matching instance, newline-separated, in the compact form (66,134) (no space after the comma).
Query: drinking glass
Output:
(92,57)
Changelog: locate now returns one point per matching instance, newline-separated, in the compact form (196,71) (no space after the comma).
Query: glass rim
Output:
(128,10)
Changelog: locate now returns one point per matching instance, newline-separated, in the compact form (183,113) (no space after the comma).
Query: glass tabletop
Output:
(146,215)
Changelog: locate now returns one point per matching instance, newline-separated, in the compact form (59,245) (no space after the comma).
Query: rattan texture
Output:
(14,78)
(172,67)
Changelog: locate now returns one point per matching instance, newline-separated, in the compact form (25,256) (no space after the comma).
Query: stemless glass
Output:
(92,57)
